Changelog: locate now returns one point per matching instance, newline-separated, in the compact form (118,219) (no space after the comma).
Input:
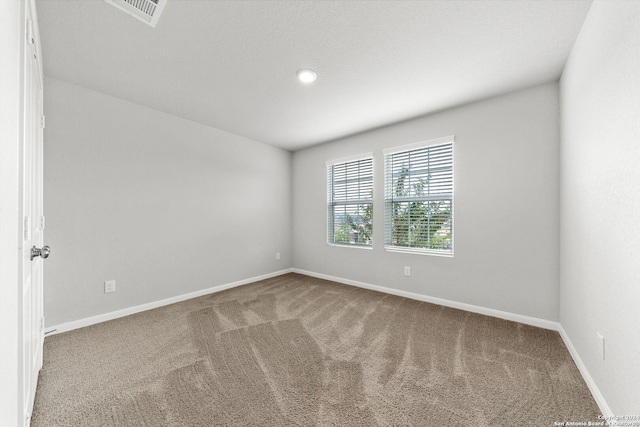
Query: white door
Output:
(32,249)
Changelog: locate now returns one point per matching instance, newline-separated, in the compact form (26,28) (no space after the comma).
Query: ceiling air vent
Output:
(147,11)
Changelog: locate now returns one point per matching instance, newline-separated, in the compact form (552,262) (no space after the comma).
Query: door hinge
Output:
(42,121)
(41,324)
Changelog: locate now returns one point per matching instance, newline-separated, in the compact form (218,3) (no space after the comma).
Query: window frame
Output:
(389,154)
(332,203)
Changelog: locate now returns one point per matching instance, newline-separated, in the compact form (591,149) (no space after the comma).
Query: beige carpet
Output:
(299,351)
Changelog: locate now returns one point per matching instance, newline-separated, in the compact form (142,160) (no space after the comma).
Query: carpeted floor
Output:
(299,351)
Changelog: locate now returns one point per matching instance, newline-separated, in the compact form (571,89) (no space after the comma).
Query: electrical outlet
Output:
(277,255)
(601,342)
(407,271)
(109,286)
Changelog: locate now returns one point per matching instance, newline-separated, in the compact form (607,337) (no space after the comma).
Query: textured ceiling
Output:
(232,64)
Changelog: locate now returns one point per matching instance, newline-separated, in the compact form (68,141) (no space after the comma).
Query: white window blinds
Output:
(419,197)
(350,201)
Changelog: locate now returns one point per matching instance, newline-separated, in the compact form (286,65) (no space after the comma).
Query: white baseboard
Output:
(533,321)
(593,388)
(76,324)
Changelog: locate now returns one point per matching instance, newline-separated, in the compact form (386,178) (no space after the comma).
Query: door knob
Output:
(44,252)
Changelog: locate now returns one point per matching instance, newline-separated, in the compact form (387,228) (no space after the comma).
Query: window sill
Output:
(350,246)
(419,252)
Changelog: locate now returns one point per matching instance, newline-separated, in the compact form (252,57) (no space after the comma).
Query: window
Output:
(419,197)
(350,201)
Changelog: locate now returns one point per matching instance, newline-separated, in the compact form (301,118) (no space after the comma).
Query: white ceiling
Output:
(232,64)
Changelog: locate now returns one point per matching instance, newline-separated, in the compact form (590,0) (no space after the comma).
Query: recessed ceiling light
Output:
(307,75)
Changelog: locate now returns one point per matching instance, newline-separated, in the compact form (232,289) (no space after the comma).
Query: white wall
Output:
(162,205)
(506,207)
(600,209)
(12,15)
